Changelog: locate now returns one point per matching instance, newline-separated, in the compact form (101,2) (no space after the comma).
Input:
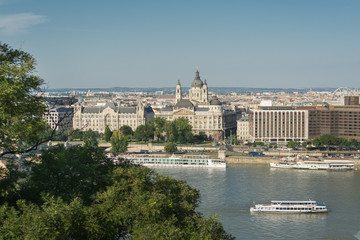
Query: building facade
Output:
(60,118)
(340,121)
(278,125)
(210,117)
(110,114)
(242,131)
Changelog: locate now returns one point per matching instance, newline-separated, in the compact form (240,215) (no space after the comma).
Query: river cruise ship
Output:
(289,207)
(162,160)
(326,164)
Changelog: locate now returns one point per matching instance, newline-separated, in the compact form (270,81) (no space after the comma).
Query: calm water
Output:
(231,192)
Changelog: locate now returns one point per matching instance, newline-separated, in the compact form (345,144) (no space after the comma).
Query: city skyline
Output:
(267,44)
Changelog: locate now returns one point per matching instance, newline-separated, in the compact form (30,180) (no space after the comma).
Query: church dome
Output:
(197,81)
(215,101)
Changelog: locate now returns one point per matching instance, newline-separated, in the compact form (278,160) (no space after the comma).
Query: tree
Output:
(179,130)
(140,133)
(304,144)
(327,139)
(316,142)
(170,147)
(234,140)
(126,130)
(159,123)
(290,144)
(145,132)
(77,172)
(21,111)
(107,134)
(119,142)
(89,138)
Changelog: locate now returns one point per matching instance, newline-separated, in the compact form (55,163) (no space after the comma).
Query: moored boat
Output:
(326,164)
(161,160)
(289,207)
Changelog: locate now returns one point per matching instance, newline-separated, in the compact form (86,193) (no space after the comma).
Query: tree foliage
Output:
(20,110)
(179,130)
(107,134)
(119,142)
(145,132)
(159,124)
(170,147)
(330,140)
(89,138)
(126,131)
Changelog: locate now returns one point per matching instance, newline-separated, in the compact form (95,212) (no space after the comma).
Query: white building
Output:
(242,130)
(110,114)
(278,124)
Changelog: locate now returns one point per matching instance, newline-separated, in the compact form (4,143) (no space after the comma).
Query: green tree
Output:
(107,134)
(170,147)
(304,144)
(140,133)
(21,111)
(76,172)
(119,142)
(89,138)
(77,134)
(126,130)
(290,144)
(316,142)
(234,140)
(145,132)
(179,130)
(327,139)
(159,124)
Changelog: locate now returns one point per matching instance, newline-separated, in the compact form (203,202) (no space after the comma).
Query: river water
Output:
(231,192)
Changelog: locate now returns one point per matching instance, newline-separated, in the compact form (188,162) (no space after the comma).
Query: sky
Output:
(134,43)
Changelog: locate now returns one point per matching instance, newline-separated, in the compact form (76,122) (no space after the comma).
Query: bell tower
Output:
(178,92)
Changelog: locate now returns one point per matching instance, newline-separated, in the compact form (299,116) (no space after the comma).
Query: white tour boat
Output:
(162,160)
(326,164)
(289,207)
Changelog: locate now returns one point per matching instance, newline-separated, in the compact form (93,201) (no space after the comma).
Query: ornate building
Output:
(210,117)
(109,114)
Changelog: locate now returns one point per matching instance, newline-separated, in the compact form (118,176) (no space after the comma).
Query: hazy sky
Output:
(243,43)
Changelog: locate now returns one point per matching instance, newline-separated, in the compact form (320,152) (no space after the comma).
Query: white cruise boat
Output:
(326,164)
(289,207)
(161,160)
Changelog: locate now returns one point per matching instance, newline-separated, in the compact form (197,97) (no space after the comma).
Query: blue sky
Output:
(244,43)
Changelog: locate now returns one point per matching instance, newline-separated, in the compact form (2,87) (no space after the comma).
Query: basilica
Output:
(209,116)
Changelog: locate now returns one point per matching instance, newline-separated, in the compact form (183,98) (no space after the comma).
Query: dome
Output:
(197,81)
(215,101)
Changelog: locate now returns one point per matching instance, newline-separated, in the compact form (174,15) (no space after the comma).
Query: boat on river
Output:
(162,160)
(326,164)
(289,207)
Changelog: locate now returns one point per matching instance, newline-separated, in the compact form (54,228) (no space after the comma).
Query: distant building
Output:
(60,101)
(242,131)
(60,118)
(278,124)
(110,114)
(205,116)
(340,121)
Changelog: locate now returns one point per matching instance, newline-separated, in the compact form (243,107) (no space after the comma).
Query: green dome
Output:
(197,81)
(215,101)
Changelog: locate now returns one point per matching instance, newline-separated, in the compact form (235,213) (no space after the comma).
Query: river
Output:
(230,193)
